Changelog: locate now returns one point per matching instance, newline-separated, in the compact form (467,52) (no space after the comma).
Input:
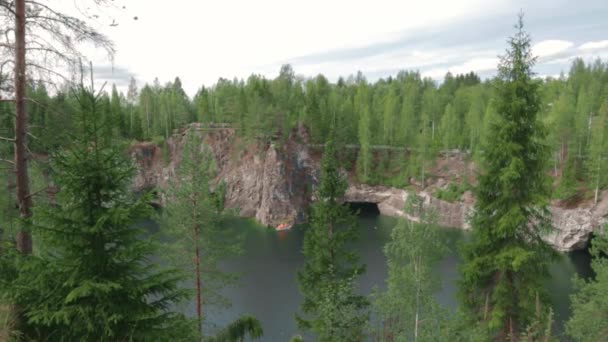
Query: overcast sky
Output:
(200,40)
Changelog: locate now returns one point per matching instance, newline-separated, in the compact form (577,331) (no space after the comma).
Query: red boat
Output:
(283,226)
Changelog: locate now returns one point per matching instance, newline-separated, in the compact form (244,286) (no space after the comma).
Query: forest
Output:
(405,111)
(77,264)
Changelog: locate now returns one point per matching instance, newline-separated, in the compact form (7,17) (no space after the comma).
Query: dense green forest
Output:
(405,111)
(77,265)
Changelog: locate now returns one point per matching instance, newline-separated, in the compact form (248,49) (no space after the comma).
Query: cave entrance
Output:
(365,209)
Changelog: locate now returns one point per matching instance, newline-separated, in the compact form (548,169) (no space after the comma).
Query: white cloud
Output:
(596,45)
(203,40)
(200,41)
(551,47)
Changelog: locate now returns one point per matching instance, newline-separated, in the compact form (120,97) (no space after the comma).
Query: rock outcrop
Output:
(274,183)
(262,180)
(391,202)
(572,227)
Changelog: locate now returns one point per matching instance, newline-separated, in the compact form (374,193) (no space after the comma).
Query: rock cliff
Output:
(263,180)
(274,182)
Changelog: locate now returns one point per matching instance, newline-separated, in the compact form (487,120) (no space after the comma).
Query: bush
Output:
(452,192)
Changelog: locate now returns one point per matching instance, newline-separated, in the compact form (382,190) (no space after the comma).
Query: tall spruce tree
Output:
(506,261)
(94,279)
(330,308)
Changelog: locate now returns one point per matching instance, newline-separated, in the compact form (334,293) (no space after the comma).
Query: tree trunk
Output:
(417,276)
(197,260)
(597,179)
(24,238)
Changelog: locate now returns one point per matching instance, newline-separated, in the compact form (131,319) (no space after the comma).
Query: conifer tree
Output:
(364,160)
(506,260)
(597,151)
(95,279)
(195,221)
(329,263)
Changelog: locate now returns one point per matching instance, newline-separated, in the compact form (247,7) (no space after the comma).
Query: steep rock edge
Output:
(572,227)
(274,182)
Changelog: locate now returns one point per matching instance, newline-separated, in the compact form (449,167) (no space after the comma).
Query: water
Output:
(268,288)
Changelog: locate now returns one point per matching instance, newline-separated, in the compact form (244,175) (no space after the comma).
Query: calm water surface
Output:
(268,287)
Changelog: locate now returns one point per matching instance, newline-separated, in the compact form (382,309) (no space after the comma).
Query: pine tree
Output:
(364,160)
(329,263)
(94,279)
(597,148)
(407,310)
(196,223)
(506,260)
(589,322)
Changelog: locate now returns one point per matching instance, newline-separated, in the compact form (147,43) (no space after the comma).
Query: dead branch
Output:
(7,139)
(52,72)
(37,192)
(7,161)
(7,6)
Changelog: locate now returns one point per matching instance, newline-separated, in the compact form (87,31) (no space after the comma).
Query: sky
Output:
(200,41)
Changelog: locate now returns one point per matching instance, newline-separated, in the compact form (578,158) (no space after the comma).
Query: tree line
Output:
(405,111)
(93,274)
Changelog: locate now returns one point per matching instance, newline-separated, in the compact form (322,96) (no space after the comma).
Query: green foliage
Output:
(364,161)
(196,223)
(94,279)
(407,310)
(567,190)
(452,192)
(589,320)
(401,111)
(330,307)
(595,165)
(237,331)
(506,260)
(340,310)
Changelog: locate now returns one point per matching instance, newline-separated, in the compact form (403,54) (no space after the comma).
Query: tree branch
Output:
(7,139)
(7,161)
(45,49)
(37,192)
(4,4)
(34,65)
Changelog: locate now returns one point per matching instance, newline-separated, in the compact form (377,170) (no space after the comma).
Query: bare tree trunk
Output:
(555,164)
(597,179)
(197,260)
(416,270)
(24,238)
(486,306)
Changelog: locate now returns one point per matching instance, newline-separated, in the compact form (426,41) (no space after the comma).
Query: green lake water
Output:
(268,288)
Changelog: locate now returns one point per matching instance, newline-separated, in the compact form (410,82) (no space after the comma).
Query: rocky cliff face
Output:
(572,227)
(274,184)
(263,180)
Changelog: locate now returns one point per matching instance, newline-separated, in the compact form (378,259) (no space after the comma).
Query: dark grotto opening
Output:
(582,260)
(364,209)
